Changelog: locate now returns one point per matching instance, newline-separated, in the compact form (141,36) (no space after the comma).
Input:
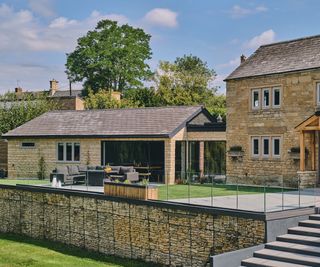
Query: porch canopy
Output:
(309,126)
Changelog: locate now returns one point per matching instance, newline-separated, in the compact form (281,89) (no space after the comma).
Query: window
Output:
(276,97)
(318,94)
(60,151)
(255,146)
(255,99)
(76,152)
(265,146)
(276,146)
(28,145)
(69,152)
(266,98)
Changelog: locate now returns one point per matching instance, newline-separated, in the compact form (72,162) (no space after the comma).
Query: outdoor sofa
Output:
(94,175)
(69,174)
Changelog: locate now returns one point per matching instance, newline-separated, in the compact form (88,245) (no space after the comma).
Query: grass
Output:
(207,190)
(23,251)
(24,181)
(181,191)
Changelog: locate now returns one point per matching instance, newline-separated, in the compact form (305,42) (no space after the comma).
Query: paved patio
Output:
(251,202)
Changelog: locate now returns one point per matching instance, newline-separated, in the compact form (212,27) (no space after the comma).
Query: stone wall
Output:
(298,102)
(3,154)
(23,162)
(164,233)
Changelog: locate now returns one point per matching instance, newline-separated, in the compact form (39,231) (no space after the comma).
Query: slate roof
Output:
(282,57)
(135,122)
(66,93)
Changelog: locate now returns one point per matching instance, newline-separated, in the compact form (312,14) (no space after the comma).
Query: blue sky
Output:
(36,34)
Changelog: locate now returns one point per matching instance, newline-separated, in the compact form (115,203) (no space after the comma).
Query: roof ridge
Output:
(291,40)
(111,109)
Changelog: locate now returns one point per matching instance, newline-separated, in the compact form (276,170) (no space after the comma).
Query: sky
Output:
(35,35)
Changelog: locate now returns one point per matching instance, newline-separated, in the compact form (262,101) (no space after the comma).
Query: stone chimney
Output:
(243,58)
(54,86)
(18,90)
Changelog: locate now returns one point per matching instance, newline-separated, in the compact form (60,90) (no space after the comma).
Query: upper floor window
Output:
(69,152)
(270,97)
(276,102)
(266,97)
(255,99)
(318,94)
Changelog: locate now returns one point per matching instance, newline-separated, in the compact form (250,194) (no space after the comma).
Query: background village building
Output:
(169,141)
(269,96)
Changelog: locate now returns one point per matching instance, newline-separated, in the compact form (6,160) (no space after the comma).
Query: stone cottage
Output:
(162,142)
(272,123)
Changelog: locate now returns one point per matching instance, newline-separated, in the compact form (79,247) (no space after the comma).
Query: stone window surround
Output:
(261,91)
(261,155)
(65,152)
(23,146)
(318,93)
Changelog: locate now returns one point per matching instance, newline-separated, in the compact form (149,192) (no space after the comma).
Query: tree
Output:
(104,100)
(16,113)
(110,57)
(143,97)
(188,81)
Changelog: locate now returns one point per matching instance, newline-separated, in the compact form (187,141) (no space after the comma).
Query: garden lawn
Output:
(24,181)
(207,190)
(22,251)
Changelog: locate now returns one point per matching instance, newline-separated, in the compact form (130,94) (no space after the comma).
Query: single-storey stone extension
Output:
(272,123)
(161,142)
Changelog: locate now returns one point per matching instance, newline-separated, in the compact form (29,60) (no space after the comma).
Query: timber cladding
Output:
(164,233)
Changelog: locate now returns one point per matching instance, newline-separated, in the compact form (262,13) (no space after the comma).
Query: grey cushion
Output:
(99,168)
(73,169)
(62,170)
(82,168)
(124,170)
(115,168)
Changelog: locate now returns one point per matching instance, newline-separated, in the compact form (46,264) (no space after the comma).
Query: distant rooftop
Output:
(133,122)
(288,56)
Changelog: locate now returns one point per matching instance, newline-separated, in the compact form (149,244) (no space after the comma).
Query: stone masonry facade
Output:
(298,102)
(23,162)
(166,234)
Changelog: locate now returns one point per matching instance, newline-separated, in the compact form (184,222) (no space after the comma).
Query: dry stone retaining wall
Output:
(169,234)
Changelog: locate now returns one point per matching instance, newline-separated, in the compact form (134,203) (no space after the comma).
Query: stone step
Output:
(300,239)
(287,257)
(294,248)
(258,262)
(310,223)
(307,231)
(315,217)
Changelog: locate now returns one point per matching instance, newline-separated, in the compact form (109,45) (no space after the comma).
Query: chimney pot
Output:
(18,90)
(242,58)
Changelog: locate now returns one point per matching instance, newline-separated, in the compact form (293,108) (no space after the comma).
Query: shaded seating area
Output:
(93,175)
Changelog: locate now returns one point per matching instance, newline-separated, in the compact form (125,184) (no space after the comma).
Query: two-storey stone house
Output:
(272,98)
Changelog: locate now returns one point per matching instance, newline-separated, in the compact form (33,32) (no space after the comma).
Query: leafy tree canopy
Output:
(104,100)
(16,113)
(110,57)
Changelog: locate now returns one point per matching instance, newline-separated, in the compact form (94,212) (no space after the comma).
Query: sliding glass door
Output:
(146,156)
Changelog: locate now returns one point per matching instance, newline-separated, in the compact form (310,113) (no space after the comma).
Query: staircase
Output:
(300,247)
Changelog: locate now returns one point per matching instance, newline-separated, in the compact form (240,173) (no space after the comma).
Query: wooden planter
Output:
(130,191)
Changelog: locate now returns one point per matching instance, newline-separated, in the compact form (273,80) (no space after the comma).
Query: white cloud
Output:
(162,17)
(240,12)
(22,31)
(266,37)
(42,7)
